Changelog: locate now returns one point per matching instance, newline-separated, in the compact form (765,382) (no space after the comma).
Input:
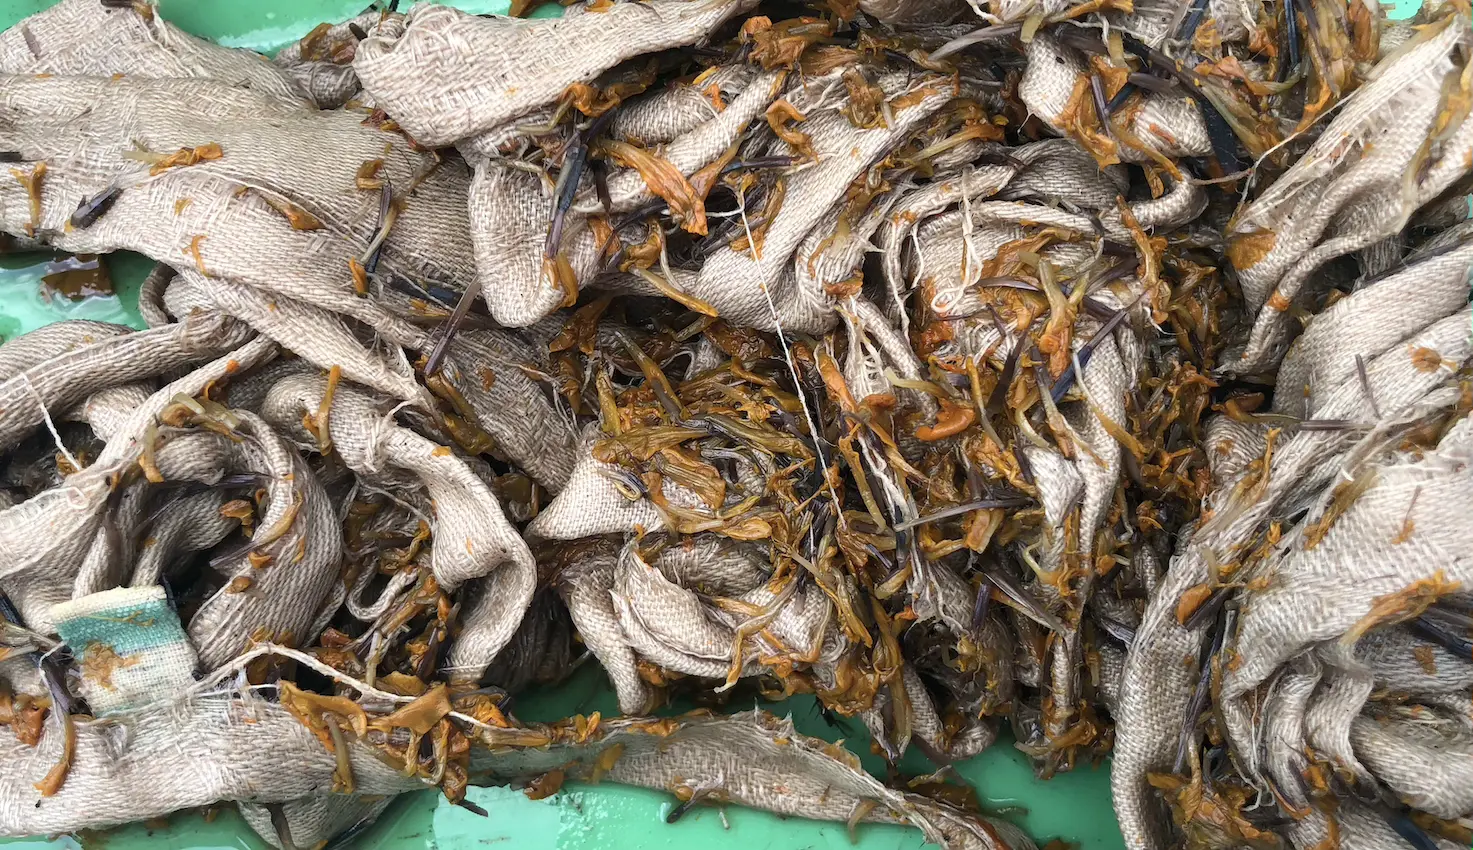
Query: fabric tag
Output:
(129,646)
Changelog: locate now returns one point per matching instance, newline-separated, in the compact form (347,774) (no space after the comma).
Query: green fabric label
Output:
(131,628)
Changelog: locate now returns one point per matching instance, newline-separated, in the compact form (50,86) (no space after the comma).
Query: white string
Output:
(48,653)
(204,685)
(50,426)
(782,337)
(747,226)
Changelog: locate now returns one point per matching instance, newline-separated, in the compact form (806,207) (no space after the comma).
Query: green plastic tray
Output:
(1074,807)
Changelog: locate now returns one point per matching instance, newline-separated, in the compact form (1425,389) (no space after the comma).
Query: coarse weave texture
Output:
(321,63)
(760,290)
(271,184)
(131,645)
(472,538)
(158,760)
(434,78)
(301,548)
(756,759)
(88,38)
(1095,371)
(1360,183)
(697,147)
(43,538)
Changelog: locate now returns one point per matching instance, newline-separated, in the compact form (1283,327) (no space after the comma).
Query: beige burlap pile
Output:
(1164,123)
(1305,583)
(764,290)
(666,115)
(45,538)
(438,83)
(85,38)
(1355,516)
(473,539)
(1383,156)
(321,63)
(691,148)
(175,755)
(1097,370)
(279,205)
(237,746)
(759,760)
